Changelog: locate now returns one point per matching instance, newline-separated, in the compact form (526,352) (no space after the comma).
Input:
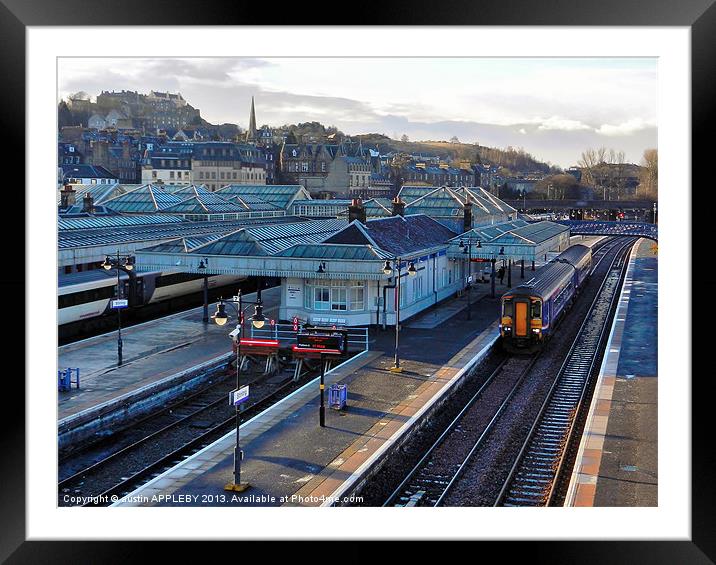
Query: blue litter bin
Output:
(337,396)
(64,379)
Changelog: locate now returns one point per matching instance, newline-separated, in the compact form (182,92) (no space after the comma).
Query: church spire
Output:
(251,133)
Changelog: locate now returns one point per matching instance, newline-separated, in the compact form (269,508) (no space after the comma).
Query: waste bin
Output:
(337,396)
(63,381)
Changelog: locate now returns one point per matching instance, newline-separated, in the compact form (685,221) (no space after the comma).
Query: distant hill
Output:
(516,160)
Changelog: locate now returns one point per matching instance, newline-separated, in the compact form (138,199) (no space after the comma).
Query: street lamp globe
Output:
(258,320)
(220,317)
(107,265)
(412,271)
(387,269)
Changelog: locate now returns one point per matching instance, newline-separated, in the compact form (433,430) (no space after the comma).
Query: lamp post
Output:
(126,264)
(467,249)
(258,320)
(388,270)
(492,273)
(202,267)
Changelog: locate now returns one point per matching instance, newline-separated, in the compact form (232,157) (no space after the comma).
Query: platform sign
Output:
(323,338)
(479,260)
(120,303)
(236,397)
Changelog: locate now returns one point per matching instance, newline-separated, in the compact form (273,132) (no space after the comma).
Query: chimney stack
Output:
(88,204)
(467,217)
(356,211)
(67,196)
(398,207)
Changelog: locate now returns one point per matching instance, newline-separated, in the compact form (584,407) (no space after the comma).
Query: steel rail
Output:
(569,410)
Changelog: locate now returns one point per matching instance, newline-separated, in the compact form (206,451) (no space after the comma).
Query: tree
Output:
(404,138)
(454,139)
(64,115)
(649,181)
(591,162)
(559,186)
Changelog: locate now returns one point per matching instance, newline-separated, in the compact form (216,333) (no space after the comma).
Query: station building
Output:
(332,270)
(517,240)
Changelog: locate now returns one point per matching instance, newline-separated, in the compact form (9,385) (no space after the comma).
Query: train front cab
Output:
(521,322)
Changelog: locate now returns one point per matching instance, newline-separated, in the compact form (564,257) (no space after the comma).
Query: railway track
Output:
(484,427)
(431,478)
(122,470)
(538,466)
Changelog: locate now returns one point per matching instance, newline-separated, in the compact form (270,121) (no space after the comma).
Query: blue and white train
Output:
(530,312)
(87,295)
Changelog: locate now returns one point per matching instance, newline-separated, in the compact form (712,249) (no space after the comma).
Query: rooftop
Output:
(147,198)
(396,235)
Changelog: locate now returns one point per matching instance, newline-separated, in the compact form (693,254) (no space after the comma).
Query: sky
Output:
(554,108)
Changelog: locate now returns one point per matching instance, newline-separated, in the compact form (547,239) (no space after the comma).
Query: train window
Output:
(537,309)
(507,307)
(92,295)
(176,278)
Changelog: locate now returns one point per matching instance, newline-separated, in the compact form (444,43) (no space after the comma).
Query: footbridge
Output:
(636,229)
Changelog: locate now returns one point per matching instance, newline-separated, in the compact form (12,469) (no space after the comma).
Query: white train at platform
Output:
(88,295)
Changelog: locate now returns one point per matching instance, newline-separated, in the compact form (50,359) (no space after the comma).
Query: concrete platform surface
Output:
(617,460)
(157,349)
(151,351)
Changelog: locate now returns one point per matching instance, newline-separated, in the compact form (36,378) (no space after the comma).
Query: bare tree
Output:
(617,166)
(649,182)
(588,163)
(595,168)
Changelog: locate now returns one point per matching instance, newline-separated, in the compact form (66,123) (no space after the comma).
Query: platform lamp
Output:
(126,264)
(258,320)
(202,268)
(467,249)
(388,270)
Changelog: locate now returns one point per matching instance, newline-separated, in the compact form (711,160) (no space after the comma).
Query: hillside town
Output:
(130,139)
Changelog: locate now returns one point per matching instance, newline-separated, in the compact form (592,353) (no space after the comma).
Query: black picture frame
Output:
(17,15)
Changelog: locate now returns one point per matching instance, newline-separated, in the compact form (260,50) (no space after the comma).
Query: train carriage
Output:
(87,295)
(529,312)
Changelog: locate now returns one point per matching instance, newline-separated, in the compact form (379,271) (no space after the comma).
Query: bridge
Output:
(636,229)
(581,204)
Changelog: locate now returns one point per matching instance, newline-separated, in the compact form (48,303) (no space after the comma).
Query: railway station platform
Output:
(617,460)
(161,348)
(289,460)
(152,351)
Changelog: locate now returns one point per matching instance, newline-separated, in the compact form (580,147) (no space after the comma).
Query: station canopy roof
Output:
(450,202)
(136,229)
(396,235)
(263,240)
(99,192)
(517,232)
(281,195)
(202,201)
(184,244)
(116,221)
(374,208)
(334,251)
(147,198)
(253,203)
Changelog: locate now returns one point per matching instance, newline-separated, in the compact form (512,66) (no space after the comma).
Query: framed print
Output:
(355,269)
